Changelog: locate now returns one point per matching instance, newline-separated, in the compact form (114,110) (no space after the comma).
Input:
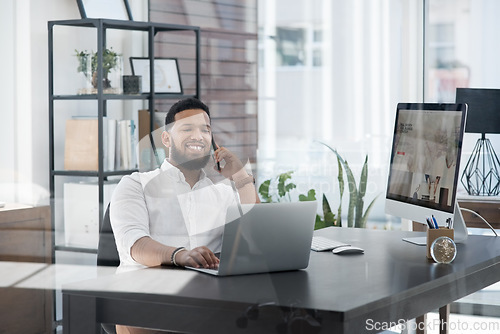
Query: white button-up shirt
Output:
(162,205)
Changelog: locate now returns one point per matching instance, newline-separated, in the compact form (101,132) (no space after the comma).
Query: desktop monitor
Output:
(425,161)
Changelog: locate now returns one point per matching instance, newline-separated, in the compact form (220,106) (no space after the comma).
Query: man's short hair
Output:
(181,105)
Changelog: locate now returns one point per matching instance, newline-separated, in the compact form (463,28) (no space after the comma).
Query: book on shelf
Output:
(127,139)
(145,155)
(134,143)
(111,147)
(124,136)
(81,145)
(144,126)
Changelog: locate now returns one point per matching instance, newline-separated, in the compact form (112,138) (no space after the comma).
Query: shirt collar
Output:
(175,172)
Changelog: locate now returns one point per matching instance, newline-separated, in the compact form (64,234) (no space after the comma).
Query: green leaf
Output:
(281,183)
(330,219)
(367,212)
(82,57)
(285,176)
(353,195)
(351,182)
(340,177)
(355,215)
(264,191)
(363,178)
(289,187)
(326,206)
(358,211)
(319,223)
(281,189)
(341,189)
(311,196)
(361,193)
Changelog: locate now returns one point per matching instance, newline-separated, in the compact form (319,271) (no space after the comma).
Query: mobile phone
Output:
(214,146)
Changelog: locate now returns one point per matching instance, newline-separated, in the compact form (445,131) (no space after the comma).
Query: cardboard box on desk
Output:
(433,234)
(81,212)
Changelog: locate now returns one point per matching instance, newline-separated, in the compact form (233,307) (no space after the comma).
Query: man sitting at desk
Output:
(174,215)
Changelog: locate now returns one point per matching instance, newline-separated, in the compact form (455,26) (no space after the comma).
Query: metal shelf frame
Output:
(101,26)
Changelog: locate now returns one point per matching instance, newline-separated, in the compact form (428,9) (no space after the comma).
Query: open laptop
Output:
(267,237)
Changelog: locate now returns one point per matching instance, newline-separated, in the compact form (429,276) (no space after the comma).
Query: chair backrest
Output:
(107,254)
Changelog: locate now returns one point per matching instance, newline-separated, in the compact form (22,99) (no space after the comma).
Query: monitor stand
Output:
(459,226)
(460,229)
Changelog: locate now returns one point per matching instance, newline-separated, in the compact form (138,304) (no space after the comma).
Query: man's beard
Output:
(185,162)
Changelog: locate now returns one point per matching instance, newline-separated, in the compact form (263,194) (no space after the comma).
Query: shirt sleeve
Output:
(230,197)
(129,216)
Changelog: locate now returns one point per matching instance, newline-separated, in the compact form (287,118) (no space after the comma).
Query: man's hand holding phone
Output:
(233,169)
(232,165)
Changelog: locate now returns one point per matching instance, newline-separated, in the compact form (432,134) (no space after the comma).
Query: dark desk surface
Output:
(392,281)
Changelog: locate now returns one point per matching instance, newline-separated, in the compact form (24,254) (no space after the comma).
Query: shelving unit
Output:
(101,27)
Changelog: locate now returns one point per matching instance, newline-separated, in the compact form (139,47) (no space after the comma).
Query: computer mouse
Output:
(347,250)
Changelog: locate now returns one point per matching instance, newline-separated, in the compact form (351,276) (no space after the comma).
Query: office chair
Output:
(107,255)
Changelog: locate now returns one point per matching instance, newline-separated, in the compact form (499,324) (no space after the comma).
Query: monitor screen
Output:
(483,109)
(425,160)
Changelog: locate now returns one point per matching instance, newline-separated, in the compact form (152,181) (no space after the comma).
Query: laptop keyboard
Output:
(320,244)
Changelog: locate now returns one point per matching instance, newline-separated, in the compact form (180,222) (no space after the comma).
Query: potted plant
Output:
(356,217)
(278,189)
(87,64)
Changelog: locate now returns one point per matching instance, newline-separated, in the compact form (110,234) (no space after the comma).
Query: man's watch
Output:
(244,181)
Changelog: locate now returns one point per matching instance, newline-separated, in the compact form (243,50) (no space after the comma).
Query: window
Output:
(290,47)
(334,72)
(460,47)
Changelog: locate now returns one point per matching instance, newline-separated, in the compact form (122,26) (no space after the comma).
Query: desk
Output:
(25,233)
(393,281)
(25,236)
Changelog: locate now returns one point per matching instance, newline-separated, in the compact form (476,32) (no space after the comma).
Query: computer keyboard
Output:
(320,244)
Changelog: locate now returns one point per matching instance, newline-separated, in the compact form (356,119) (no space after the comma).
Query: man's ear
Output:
(165,138)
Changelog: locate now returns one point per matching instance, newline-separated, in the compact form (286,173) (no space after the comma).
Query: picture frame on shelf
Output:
(105,9)
(166,74)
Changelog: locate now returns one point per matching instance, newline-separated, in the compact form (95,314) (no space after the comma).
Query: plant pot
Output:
(132,84)
(111,82)
(106,83)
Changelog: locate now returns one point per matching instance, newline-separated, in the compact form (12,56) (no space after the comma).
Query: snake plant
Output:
(355,215)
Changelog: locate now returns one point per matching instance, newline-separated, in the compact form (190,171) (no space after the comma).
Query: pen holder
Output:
(433,234)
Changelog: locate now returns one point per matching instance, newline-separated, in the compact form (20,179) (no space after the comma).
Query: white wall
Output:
(7,163)
(25,164)
(24,157)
